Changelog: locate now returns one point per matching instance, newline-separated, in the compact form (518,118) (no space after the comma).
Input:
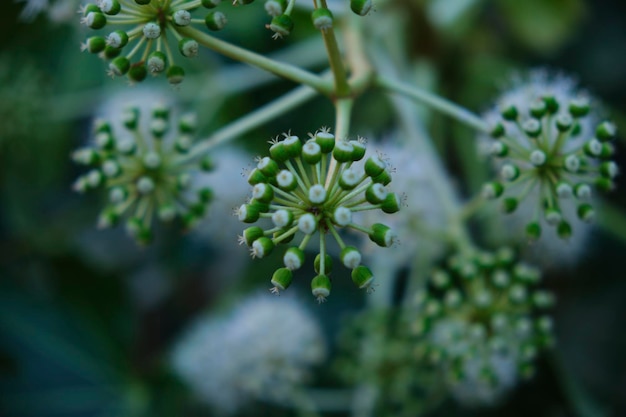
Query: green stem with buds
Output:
(342,88)
(237,53)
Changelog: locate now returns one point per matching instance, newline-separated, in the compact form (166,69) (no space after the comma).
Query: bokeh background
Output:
(88,319)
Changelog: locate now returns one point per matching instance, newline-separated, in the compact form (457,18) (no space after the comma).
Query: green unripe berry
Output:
(293,258)
(328,264)
(551,104)
(119,66)
(175,74)
(509,113)
(497,130)
(188,47)
(579,107)
(320,287)
(282,278)
(94,44)
(585,213)
(509,205)
(326,140)
(137,73)
(156,62)
(350,257)
(362,277)
(322,19)
(215,20)
(361,7)
(606,131)
(281,25)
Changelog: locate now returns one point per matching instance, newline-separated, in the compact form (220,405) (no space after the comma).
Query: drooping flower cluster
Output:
(146,173)
(550,149)
(146,31)
(263,349)
(482,322)
(316,188)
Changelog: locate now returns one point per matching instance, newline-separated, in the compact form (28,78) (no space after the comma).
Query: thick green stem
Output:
(251,121)
(281,69)
(435,102)
(343,111)
(342,88)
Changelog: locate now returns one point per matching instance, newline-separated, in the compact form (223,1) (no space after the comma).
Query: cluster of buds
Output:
(314,187)
(145,174)
(482,321)
(282,22)
(146,29)
(543,150)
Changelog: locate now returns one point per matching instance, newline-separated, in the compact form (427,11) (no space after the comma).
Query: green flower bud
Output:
(343,151)
(532,127)
(350,257)
(382,235)
(156,62)
(286,181)
(328,264)
(497,130)
(320,287)
(391,204)
(606,131)
(251,234)
(585,213)
(215,20)
(263,192)
(248,213)
(362,277)
(579,107)
(326,140)
(119,66)
(509,113)
(275,7)
(564,230)
(374,166)
(533,231)
(262,247)
(281,279)
(137,73)
(94,44)
(281,26)
(322,19)
(538,109)
(492,190)
(188,47)
(94,20)
(551,104)
(175,74)
(509,205)
(293,258)
(361,7)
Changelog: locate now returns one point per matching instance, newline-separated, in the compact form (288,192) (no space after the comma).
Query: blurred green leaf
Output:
(543,25)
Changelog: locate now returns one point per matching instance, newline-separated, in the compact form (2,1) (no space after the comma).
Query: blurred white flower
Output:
(59,11)
(545,131)
(422,209)
(220,228)
(262,349)
(487,373)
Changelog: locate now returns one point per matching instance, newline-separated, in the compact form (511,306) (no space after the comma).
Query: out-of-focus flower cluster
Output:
(483,322)
(263,349)
(146,173)
(550,150)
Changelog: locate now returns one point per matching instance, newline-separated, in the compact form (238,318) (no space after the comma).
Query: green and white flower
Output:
(144,171)
(315,188)
(551,151)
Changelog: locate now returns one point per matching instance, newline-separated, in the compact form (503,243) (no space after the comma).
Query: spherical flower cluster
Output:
(315,188)
(263,349)
(550,149)
(145,173)
(482,323)
(146,29)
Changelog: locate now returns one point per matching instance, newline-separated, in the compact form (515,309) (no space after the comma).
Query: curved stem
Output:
(434,101)
(342,88)
(250,121)
(237,53)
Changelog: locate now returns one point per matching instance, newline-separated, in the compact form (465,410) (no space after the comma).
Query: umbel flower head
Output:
(316,188)
(146,173)
(482,323)
(142,34)
(551,150)
(262,349)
